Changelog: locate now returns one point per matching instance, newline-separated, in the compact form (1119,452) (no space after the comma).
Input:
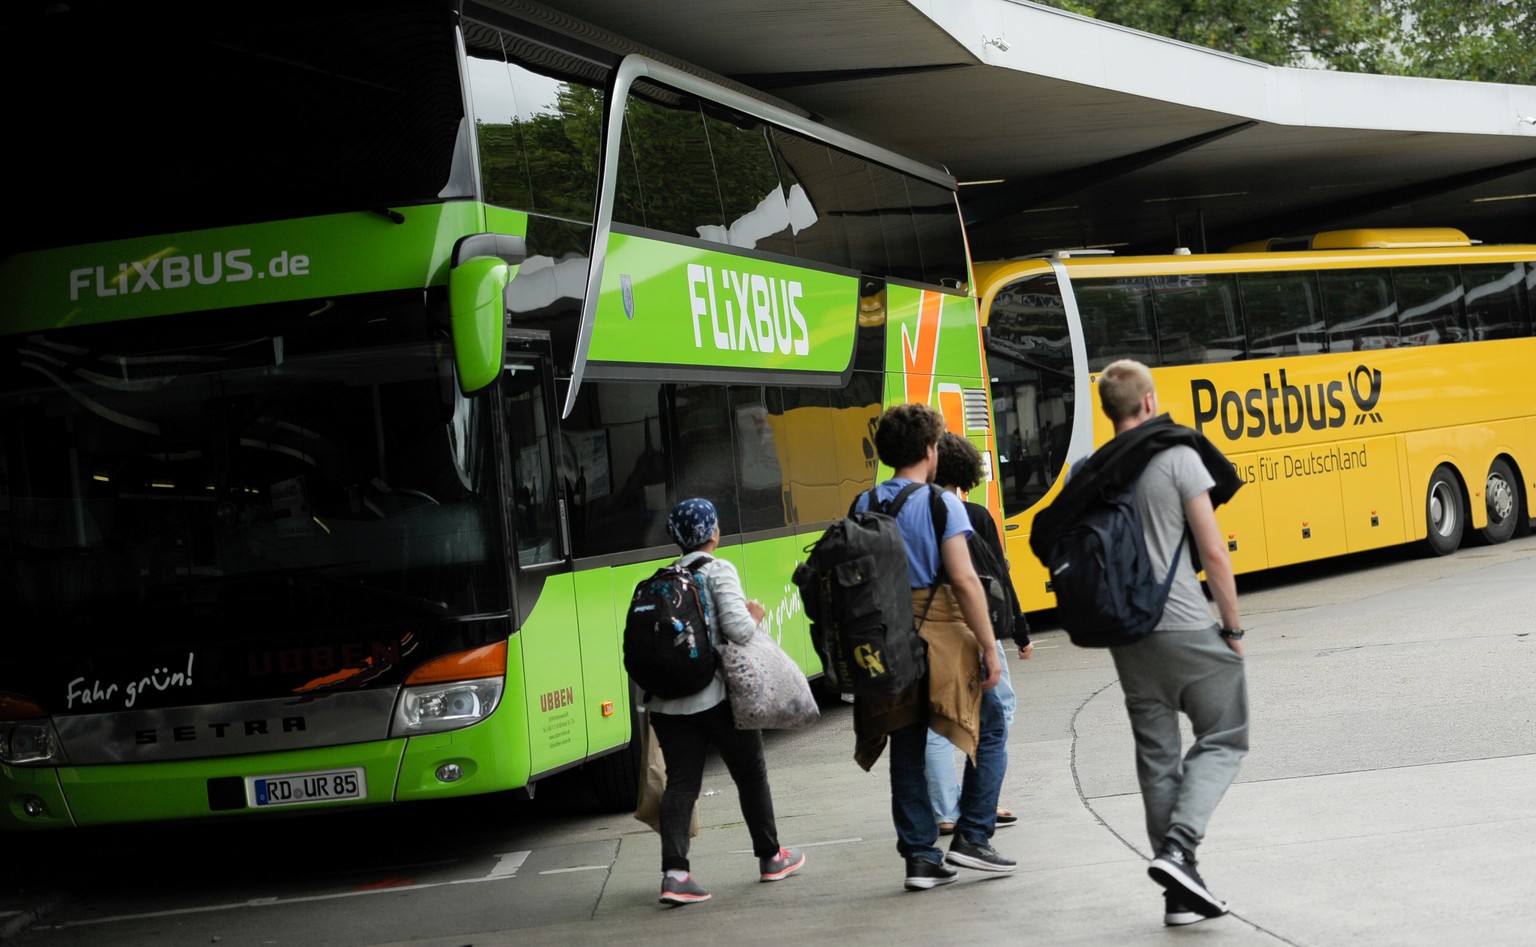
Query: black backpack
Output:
(857,594)
(1106,593)
(667,646)
(1001,607)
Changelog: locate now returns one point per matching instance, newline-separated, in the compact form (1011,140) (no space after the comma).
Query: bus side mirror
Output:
(483,266)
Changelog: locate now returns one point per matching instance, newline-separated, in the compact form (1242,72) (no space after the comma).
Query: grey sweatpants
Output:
(1194,672)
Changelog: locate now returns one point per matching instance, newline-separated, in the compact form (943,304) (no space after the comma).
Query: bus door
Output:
(544,663)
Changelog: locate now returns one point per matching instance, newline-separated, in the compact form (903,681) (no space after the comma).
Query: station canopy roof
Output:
(1097,135)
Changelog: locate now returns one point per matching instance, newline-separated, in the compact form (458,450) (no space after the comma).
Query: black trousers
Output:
(684,739)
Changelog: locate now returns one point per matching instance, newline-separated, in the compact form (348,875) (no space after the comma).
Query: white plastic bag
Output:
(768,691)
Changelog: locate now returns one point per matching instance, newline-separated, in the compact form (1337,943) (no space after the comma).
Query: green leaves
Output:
(1443,39)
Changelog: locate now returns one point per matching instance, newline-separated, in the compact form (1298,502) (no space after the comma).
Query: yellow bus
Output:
(1371,387)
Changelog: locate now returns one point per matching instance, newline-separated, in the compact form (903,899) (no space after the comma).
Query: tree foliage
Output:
(1488,40)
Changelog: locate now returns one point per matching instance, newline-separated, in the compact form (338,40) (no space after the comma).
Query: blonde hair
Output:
(1122,385)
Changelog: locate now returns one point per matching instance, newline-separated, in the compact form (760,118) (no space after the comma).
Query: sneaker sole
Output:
(978,864)
(783,873)
(923,884)
(684,898)
(1181,918)
(1192,893)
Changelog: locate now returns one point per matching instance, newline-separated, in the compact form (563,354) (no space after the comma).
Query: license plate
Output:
(297,788)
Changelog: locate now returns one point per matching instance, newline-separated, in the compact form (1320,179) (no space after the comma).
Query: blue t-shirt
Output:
(916,525)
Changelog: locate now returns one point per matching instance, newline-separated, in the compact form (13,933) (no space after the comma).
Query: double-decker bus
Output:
(353,354)
(1371,387)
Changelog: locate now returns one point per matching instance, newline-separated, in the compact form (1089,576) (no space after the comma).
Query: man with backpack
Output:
(959,471)
(950,610)
(688,724)
(1189,662)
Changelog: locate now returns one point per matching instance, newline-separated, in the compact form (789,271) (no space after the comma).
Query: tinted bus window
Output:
(756,215)
(621,501)
(1117,320)
(1029,361)
(939,235)
(525,116)
(1197,319)
(860,207)
(1360,309)
(1429,301)
(1282,312)
(1498,306)
(812,197)
(903,261)
(669,162)
(756,417)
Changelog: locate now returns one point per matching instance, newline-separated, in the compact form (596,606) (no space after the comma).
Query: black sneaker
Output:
(981,857)
(923,874)
(1174,869)
(1175,914)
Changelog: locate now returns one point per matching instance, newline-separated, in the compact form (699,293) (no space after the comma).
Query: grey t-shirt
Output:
(1172,478)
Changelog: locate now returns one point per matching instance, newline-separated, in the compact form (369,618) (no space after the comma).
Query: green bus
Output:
(353,354)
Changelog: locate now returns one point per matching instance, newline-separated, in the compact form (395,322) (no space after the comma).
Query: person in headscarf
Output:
(685,726)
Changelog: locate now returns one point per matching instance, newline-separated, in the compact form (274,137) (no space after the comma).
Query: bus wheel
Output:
(615,778)
(1443,512)
(1503,503)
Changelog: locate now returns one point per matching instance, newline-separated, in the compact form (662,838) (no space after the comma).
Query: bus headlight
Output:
(27,737)
(29,743)
(431,708)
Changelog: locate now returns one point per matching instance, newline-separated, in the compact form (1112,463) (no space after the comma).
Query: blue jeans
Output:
(911,812)
(943,785)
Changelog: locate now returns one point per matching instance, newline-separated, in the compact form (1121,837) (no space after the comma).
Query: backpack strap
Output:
(939,514)
(1173,563)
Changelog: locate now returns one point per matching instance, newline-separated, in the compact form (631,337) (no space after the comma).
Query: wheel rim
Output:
(1501,499)
(1442,509)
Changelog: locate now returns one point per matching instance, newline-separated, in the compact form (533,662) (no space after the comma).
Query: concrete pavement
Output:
(1389,799)
(1390,796)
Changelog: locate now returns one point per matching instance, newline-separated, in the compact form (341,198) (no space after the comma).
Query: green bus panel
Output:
(309,258)
(492,755)
(133,792)
(600,605)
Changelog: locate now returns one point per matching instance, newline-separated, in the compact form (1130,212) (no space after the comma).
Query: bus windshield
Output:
(278,483)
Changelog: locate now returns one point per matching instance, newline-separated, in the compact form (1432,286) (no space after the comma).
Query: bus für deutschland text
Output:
(178,272)
(761,313)
(1330,460)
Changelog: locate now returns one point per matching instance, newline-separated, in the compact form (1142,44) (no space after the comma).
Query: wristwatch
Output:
(1233,634)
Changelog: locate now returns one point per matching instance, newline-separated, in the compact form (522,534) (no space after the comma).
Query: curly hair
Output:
(959,462)
(905,433)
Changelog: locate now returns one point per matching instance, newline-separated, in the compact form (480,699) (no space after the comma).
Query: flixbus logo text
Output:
(1285,408)
(746,312)
(177,272)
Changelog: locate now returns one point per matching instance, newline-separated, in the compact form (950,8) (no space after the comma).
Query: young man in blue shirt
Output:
(956,698)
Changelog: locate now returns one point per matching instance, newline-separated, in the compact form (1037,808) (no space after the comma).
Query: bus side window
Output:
(1197,319)
(1498,306)
(815,201)
(1283,314)
(666,174)
(1429,300)
(756,215)
(1360,308)
(1117,320)
(625,480)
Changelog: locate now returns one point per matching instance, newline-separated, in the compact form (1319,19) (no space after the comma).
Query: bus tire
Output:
(1503,495)
(1444,513)
(615,778)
